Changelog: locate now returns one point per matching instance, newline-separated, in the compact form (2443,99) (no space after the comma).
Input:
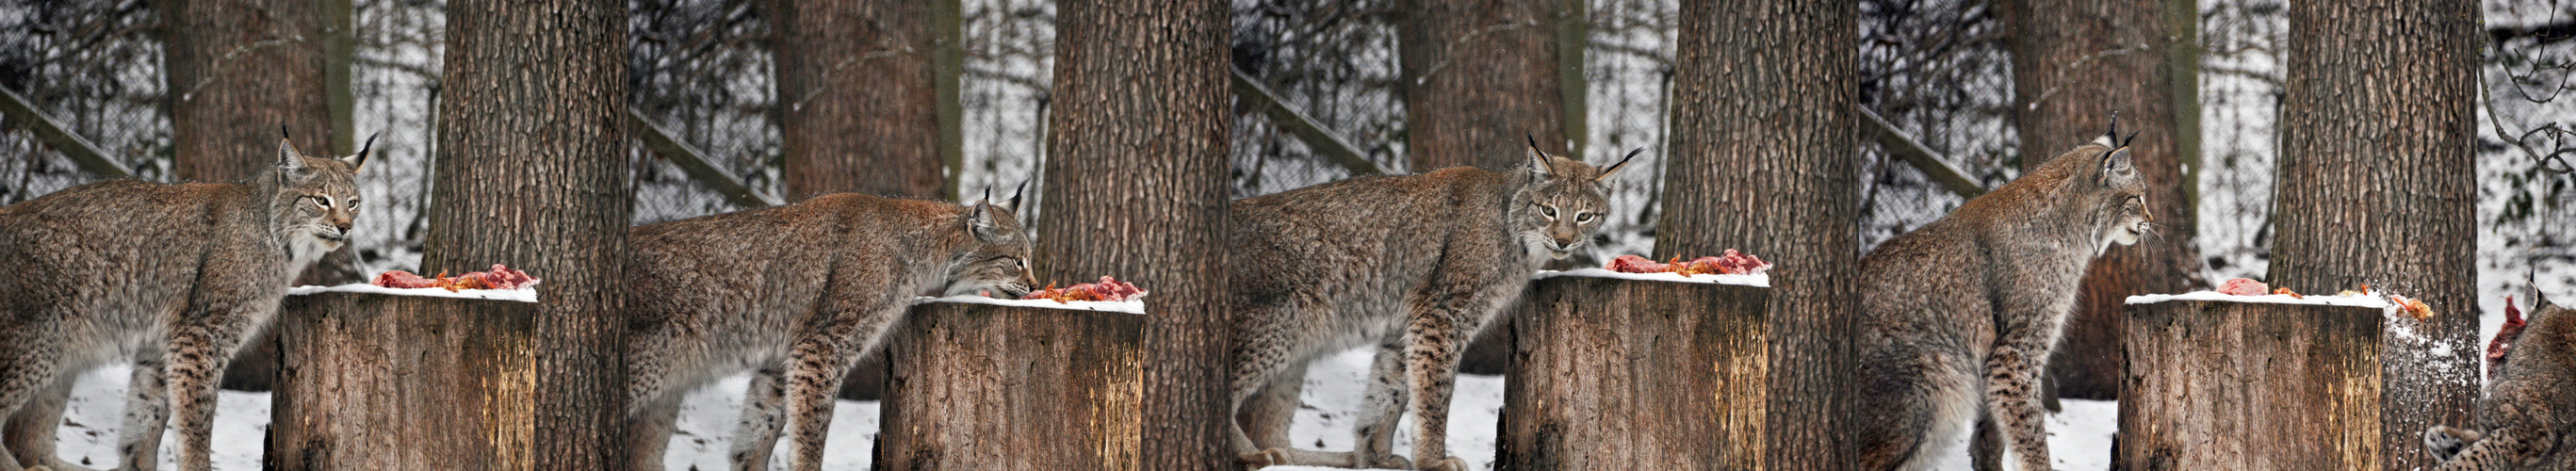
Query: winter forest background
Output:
(1939,71)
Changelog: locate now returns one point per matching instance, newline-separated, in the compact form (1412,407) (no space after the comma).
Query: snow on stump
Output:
(377,381)
(2229,385)
(1636,373)
(1013,385)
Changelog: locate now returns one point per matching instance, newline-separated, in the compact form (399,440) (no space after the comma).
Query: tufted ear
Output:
(1014,204)
(2118,165)
(1538,159)
(360,160)
(979,221)
(287,157)
(1614,168)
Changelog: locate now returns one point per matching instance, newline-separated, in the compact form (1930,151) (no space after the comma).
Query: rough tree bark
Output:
(979,386)
(855,97)
(2234,386)
(1763,161)
(1631,374)
(2075,64)
(1136,188)
(537,179)
(2376,186)
(382,382)
(1478,77)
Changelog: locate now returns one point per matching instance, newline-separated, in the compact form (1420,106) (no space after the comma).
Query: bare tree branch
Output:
(1315,135)
(60,137)
(695,163)
(1916,154)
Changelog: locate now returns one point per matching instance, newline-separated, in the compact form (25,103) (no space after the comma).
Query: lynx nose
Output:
(344,227)
(1564,242)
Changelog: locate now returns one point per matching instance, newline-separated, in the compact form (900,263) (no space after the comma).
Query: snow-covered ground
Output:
(2080,437)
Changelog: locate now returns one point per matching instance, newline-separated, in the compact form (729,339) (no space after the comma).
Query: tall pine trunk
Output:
(1478,77)
(2075,64)
(533,173)
(1763,160)
(1136,188)
(856,99)
(2377,186)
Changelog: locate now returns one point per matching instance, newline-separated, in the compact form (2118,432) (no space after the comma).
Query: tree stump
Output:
(387,382)
(1611,373)
(2222,385)
(992,387)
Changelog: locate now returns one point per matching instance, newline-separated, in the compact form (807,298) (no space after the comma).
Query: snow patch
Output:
(1131,306)
(2079,439)
(2357,301)
(526,294)
(95,415)
(1761,280)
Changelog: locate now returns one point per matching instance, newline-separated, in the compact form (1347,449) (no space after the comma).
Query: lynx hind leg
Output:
(1265,351)
(2445,442)
(648,432)
(1267,415)
(30,362)
(31,433)
(1933,405)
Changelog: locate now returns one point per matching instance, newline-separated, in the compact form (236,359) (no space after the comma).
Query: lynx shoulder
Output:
(793,294)
(1414,264)
(1958,316)
(172,277)
(2527,415)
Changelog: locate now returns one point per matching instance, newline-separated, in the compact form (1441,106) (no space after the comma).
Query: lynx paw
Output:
(1265,458)
(1390,462)
(1446,464)
(2446,442)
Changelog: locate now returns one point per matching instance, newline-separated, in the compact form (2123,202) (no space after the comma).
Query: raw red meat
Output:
(1732,263)
(2504,337)
(1108,289)
(501,277)
(2244,287)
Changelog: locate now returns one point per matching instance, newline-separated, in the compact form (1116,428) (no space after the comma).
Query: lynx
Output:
(793,294)
(1416,264)
(2527,413)
(172,277)
(1958,316)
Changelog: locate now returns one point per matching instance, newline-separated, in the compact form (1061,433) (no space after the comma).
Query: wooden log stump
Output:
(2220,385)
(386,382)
(991,387)
(1611,373)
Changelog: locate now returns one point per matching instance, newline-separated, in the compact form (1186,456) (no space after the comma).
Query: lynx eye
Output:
(1582,217)
(1550,211)
(324,201)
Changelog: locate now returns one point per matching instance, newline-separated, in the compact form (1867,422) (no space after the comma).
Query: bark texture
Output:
(2377,186)
(1480,78)
(534,174)
(235,72)
(1763,161)
(2075,65)
(856,102)
(383,382)
(1136,188)
(2235,386)
(977,386)
(1628,374)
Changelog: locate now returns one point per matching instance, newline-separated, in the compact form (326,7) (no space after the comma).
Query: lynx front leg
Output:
(816,370)
(1388,389)
(147,411)
(648,431)
(2012,380)
(1432,343)
(30,359)
(763,410)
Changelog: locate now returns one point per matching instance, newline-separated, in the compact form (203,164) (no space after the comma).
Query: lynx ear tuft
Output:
(360,160)
(2111,138)
(1614,168)
(1014,204)
(287,157)
(1538,159)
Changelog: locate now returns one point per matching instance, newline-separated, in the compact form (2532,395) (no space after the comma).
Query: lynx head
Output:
(996,255)
(1561,201)
(2111,187)
(316,199)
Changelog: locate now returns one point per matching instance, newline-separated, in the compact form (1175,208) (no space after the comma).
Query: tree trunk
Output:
(2376,186)
(1479,78)
(1630,374)
(1763,161)
(2075,65)
(857,112)
(978,386)
(1136,188)
(2235,386)
(383,382)
(534,175)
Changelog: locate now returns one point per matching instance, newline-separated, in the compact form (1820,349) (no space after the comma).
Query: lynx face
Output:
(2123,212)
(998,258)
(317,200)
(1564,203)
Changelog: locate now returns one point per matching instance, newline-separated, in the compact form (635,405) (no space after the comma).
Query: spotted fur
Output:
(172,277)
(794,294)
(1958,316)
(1413,264)
(2528,413)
